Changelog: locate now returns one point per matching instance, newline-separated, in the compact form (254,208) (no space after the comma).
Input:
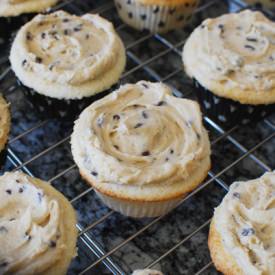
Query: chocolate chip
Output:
(66,32)
(87,36)
(8,191)
(94,173)
(24,62)
(116,117)
(29,36)
(138,125)
(247,232)
(236,195)
(12,219)
(115,146)
(144,115)
(3,264)
(161,103)
(43,35)
(171,151)
(27,236)
(198,136)
(251,39)
(161,24)
(143,17)
(221,27)
(20,190)
(52,244)
(130,15)
(3,229)
(167,159)
(249,47)
(65,20)
(156,10)
(40,196)
(145,153)
(78,28)
(145,85)
(38,59)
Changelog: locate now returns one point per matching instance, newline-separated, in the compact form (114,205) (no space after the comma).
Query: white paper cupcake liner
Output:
(155,18)
(139,209)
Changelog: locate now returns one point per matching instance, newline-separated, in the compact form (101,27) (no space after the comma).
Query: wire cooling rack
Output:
(108,242)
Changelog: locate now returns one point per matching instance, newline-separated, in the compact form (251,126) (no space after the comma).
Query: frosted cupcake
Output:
(141,148)
(37,227)
(234,66)
(66,58)
(157,16)
(242,232)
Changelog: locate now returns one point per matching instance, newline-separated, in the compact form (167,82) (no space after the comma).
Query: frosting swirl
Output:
(246,221)
(31,237)
(67,50)
(140,135)
(238,51)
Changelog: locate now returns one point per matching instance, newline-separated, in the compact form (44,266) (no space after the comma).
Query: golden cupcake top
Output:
(233,55)
(140,135)
(17,7)
(65,49)
(246,222)
(32,237)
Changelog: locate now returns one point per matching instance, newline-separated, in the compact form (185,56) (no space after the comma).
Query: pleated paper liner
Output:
(227,112)
(48,107)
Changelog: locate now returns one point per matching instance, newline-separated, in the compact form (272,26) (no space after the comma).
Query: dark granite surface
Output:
(53,136)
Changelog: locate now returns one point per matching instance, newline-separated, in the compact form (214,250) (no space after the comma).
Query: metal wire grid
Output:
(90,243)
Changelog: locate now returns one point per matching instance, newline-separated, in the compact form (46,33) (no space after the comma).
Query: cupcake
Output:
(269,4)
(233,68)
(14,13)
(141,148)
(37,227)
(242,232)
(62,59)
(157,16)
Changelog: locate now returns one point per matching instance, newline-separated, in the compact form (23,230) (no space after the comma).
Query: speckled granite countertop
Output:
(46,152)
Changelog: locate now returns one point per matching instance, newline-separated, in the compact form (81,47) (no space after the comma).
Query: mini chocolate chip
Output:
(43,35)
(249,47)
(116,117)
(251,39)
(138,125)
(156,10)
(248,232)
(145,85)
(237,195)
(130,15)
(8,191)
(20,190)
(167,159)
(38,59)
(145,153)
(51,66)
(17,180)
(52,244)
(171,151)
(12,219)
(94,173)
(29,36)
(66,32)
(87,36)
(161,103)
(78,28)
(3,264)
(144,115)
(3,229)
(65,20)
(198,136)
(24,62)
(202,26)
(116,147)
(40,196)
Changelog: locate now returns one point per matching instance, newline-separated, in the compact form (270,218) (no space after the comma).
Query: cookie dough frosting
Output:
(246,222)
(17,7)
(140,135)
(66,56)
(32,231)
(236,59)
